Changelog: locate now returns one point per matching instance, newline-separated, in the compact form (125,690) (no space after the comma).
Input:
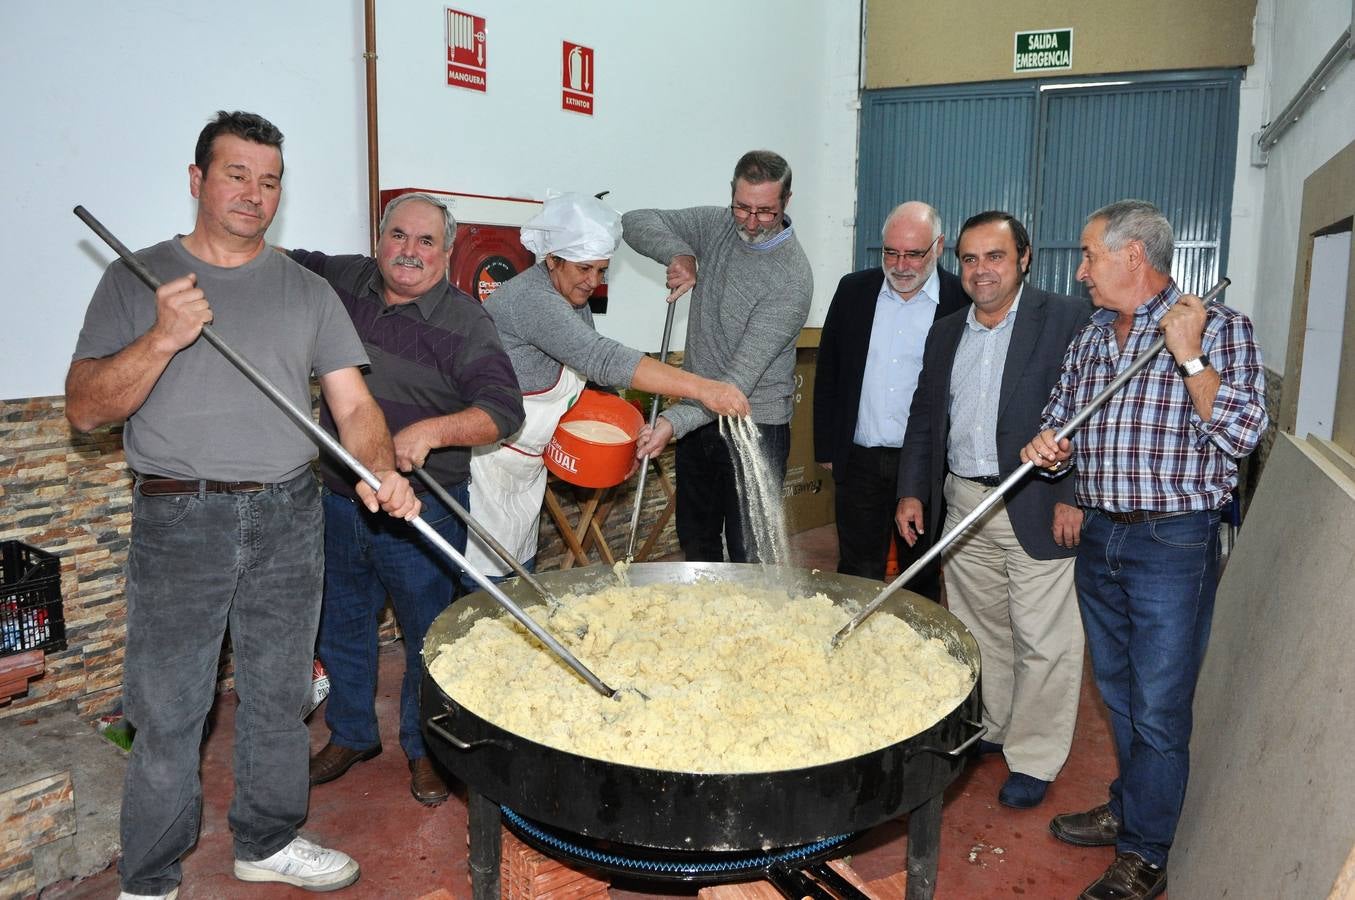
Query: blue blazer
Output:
(1045,325)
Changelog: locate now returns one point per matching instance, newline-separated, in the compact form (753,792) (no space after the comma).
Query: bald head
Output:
(914,211)
(911,244)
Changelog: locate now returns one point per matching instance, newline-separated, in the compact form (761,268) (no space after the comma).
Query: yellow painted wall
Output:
(910,44)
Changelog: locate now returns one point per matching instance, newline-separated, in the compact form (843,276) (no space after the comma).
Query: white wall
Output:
(681,94)
(106,100)
(1291,37)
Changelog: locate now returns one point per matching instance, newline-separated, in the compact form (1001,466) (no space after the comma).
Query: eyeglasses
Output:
(762,213)
(892,256)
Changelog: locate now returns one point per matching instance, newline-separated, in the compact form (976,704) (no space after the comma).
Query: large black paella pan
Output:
(687,811)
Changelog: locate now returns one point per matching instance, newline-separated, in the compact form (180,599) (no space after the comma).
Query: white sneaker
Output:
(170,896)
(303,864)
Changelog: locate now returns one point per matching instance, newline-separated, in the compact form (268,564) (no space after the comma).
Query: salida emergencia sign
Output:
(1041,51)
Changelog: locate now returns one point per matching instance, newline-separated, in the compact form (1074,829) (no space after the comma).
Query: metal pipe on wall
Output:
(373,179)
(1269,135)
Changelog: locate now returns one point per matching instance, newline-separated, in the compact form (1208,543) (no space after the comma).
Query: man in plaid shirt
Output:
(1153,468)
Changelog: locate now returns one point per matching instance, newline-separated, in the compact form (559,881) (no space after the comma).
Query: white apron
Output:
(508,480)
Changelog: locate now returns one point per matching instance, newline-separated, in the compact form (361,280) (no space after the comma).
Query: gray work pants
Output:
(198,564)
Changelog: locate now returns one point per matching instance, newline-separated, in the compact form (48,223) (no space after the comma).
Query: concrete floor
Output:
(407,850)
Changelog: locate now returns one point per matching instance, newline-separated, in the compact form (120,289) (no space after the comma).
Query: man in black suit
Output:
(986,376)
(870,354)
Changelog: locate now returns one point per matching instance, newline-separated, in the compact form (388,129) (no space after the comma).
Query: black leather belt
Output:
(1139,516)
(157,486)
(985,480)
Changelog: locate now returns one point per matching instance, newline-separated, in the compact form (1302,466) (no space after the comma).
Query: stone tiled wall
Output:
(32,815)
(67,493)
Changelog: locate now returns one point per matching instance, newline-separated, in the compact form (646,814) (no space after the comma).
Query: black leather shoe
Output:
(333,760)
(1093,828)
(1130,877)
(425,783)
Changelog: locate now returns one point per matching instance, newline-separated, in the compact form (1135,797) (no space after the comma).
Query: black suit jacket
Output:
(1045,325)
(842,358)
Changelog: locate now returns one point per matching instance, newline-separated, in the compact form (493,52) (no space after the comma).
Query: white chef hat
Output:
(575,227)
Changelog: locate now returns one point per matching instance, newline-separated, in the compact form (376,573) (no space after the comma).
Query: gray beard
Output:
(769,231)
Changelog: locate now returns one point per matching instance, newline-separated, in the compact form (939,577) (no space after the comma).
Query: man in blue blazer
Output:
(986,376)
(870,354)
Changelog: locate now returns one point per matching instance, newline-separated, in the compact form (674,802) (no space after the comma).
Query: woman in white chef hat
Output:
(547,329)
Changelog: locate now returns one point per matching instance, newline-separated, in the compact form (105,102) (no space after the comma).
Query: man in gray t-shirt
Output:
(748,306)
(226,524)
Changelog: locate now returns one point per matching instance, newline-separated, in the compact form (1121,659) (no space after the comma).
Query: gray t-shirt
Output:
(203,418)
(540,329)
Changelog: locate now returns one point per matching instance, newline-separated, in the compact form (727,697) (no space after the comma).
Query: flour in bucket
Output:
(598,432)
(764,528)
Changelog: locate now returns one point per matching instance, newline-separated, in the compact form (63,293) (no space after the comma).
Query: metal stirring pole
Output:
(325,440)
(653,419)
(480,531)
(1139,363)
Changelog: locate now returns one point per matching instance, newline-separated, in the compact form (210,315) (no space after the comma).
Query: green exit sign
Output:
(1043,51)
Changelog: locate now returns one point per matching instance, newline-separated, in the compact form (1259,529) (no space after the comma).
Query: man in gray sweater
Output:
(748,306)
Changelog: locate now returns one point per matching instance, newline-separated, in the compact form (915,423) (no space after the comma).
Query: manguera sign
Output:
(1042,51)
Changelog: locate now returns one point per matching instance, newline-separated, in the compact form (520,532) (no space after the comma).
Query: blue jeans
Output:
(198,564)
(369,556)
(708,492)
(1146,592)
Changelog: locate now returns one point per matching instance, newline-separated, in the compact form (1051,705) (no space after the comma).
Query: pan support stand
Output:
(924,848)
(586,533)
(484,823)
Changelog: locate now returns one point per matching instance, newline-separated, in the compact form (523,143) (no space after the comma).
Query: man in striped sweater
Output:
(445,384)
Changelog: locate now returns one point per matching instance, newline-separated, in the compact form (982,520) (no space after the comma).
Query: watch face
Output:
(1193,366)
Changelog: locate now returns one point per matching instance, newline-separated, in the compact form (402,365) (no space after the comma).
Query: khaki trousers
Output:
(1023,613)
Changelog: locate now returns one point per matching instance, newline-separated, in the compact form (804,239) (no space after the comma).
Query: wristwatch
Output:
(1193,366)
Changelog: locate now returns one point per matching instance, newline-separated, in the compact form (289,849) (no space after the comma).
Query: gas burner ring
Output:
(696,867)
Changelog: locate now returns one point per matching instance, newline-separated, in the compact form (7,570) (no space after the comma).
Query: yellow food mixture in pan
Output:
(739,679)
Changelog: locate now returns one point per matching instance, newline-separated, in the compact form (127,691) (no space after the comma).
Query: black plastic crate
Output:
(30,600)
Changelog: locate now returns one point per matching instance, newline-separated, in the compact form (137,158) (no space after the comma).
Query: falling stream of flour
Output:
(764,525)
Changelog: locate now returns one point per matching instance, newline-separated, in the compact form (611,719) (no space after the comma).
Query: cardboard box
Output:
(808,488)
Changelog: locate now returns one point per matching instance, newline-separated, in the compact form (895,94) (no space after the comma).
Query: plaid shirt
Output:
(1147,448)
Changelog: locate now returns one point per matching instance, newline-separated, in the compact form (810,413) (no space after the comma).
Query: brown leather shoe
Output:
(425,783)
(333,760)
(1130,877)
(1093,828)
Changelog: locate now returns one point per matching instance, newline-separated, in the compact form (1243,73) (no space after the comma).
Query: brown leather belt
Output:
(156,486)
(1139,516)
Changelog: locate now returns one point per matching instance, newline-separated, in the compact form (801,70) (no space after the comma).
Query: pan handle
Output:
(979,731)
(435,723)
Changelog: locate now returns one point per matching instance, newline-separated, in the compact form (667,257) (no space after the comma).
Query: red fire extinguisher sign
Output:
(577,79)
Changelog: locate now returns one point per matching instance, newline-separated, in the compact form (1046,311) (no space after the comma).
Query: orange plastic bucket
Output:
(589,459)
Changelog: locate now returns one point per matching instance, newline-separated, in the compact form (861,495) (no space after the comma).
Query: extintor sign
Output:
(577,80)
(465,50)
